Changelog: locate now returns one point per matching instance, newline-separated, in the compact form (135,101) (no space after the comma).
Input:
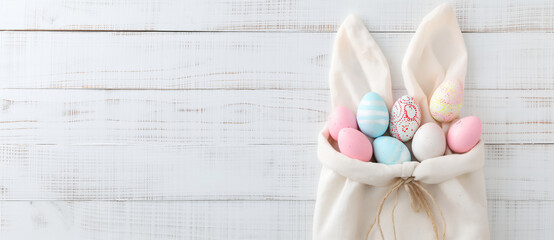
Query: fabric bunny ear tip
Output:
(442,14)
(351,21)
(444,8)
(351,17)
(357,66)
(442,21)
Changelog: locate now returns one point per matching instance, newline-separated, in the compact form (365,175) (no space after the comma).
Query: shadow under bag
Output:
(439,198)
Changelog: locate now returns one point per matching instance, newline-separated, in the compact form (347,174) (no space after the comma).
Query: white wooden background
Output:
(168,119)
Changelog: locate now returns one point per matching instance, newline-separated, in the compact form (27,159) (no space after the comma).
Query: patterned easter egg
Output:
(446,103)
(405,118)
(388,150)
(373,115)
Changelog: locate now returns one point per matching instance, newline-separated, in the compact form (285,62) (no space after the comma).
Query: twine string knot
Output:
(418,200)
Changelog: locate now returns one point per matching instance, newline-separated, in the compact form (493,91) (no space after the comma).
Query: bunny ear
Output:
(358,66)
(436,52)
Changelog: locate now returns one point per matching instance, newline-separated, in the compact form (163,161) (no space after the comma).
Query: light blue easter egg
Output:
(372,115)
(389,151)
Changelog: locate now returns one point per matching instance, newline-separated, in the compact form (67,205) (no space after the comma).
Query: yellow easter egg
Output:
(447,100)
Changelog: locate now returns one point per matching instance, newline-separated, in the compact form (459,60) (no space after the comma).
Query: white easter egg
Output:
(405,118)
(389,150)
(429,141)
(446,103)
(373,115)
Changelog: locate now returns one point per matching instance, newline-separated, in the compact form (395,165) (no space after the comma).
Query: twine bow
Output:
(418,200)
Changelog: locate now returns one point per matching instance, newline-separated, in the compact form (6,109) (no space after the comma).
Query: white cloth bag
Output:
(350,191)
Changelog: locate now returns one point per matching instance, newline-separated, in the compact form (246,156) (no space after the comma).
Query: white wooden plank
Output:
(155,220)
(242,60)
(199,117)
(509,220)
(257,15)
(219,117)
(512,220)
(512,116)
(158,172)
(519,172)
(133,172)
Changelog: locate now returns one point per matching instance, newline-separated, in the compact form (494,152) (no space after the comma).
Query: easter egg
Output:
(405,118)
(355,144)
(341,117)
(428,142)
(446,103)
(372,115)
(389,150)
(464,134)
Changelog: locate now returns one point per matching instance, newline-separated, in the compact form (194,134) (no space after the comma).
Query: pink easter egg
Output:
(341,117)
(405,118)
(355,144)
(464,134)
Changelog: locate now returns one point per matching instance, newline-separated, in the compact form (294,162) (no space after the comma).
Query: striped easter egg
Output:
(372,115)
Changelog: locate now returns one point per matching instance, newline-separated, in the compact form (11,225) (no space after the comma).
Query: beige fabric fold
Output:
(350,191)
(357,67)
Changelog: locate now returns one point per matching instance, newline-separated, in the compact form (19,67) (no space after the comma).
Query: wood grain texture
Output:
(512,220)
(105,220)
(260,15)
(519,172)
(263,172)
(155,220)
(243,60)
(219,117)
(225,172)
